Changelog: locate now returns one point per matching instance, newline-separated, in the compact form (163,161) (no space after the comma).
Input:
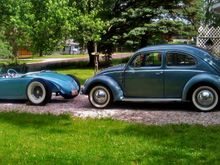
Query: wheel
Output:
(38,92)
(100,96)
(205,98)
(77,82)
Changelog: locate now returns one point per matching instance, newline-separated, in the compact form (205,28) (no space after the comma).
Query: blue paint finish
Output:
(160,82)
(15,87)
(201,78)
(107,81)
(176,79)
(139,82)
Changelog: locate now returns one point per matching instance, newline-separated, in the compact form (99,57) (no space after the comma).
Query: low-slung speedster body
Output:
(37,87)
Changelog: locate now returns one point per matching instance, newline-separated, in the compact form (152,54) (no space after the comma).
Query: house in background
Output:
(71,47)
(216,8)
(24,53)
(178,39)
(209,36)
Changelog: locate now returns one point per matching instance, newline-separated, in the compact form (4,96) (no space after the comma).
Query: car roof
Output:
(185,48)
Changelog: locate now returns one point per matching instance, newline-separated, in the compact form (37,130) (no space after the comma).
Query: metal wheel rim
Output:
(99,97)
(36,92)
(205,98)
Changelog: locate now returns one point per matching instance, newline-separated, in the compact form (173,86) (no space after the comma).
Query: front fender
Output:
(107,81)
(201,78)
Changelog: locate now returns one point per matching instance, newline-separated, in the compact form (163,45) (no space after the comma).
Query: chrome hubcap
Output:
(100,96)
(37,92)
(205,97)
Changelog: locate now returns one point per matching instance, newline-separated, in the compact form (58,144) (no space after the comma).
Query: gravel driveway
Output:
(147,113)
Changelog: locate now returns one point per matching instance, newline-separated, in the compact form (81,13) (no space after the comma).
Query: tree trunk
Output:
(144,41)
(14,52)
(41,53)
(90,47)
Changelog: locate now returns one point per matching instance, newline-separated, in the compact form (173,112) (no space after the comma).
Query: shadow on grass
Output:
(118,142)
(34,120)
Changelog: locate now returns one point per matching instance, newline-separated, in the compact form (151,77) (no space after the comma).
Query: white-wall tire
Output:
(37,93)
(205,98)
(100,96)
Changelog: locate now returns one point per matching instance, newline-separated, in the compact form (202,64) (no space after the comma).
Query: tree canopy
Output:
(210,18)
(43,26)
(141,23)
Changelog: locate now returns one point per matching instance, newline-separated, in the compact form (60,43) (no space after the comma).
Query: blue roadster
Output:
(37,87)
(160,73)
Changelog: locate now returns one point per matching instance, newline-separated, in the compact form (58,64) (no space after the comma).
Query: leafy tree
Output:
(14,22)
(150,22)
(39,25)
(211,18)
(5,49)
(89,25)
(50,24)
(43,25)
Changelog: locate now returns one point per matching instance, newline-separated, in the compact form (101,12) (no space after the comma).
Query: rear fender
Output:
(52,86)
(211,79)
(106,81)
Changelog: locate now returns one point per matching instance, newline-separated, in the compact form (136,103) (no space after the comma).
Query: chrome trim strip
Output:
(151,99)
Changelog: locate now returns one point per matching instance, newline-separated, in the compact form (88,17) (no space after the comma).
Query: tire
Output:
(38,93)
(77,82)
(205,98)
(103,100)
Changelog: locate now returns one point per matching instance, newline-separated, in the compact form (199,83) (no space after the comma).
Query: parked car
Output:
(160,73)
(37,87)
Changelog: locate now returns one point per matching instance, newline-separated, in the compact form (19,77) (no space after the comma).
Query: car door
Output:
(180,67)
(12,88)
(143,77)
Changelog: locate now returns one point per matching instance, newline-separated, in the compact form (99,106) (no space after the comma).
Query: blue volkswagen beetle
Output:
(37,87)
(160,73)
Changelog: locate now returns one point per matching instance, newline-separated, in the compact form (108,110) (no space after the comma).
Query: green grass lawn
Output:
(20,61)
(28,61)
(81,73)
(61,56)
(46,139)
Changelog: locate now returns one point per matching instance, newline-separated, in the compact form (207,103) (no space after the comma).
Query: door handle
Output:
(159,73)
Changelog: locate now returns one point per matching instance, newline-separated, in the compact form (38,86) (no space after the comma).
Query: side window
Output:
(179,59)
(147,59)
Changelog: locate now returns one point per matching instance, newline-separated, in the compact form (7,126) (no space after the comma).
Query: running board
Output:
(151,99)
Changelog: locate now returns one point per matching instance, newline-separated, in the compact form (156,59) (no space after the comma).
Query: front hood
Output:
(113,69)
(59,79)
